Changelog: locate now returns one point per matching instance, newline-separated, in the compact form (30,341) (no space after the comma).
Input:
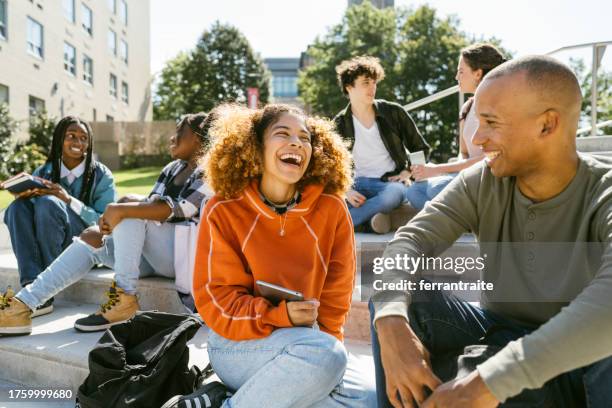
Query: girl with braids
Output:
(278,216)
(42,222)
(141,243)
(475,62)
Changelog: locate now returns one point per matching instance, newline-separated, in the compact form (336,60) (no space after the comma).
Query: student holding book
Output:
(77,189)
(135,236)
(278,216)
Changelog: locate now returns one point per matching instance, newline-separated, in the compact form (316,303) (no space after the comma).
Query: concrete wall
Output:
(115,139)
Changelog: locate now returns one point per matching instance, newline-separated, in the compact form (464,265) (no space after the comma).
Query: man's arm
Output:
(450,214)
(404,357)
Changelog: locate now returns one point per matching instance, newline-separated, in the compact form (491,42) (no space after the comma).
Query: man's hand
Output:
(402,177)
(405,361)
(303,313)
(54,190)
(469,391)
(111,217)
(424,171)
(355,198)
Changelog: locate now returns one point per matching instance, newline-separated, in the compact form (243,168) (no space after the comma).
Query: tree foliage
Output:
(220,69)
(604,95)
(41,131)
(7,127)
(418,50)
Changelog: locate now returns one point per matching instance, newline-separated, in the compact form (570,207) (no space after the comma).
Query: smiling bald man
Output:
(542,214)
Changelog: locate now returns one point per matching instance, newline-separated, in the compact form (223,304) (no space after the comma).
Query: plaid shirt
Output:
(185,207)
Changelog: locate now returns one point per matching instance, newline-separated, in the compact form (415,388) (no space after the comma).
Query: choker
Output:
(282,209)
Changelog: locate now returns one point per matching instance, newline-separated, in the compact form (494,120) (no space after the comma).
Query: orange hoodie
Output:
(240,242)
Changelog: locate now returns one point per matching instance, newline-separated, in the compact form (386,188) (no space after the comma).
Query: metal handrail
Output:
(432,98)
(596,57)
(598,126)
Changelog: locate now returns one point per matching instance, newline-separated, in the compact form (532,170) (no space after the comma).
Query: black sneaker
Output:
(43,309)
(211,395)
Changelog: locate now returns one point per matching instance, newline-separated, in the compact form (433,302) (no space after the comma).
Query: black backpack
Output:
(141,363)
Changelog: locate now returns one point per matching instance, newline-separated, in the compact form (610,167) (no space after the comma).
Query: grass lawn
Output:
(138,181)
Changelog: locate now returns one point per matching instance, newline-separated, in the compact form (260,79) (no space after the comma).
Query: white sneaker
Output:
(380,223)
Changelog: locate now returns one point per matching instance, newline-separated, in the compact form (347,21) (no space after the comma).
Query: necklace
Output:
(282,210)
(282,220)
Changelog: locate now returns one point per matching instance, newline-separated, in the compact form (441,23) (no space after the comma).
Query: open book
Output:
(22,182)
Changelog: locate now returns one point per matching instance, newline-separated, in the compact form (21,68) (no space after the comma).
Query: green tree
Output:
(418,50)
(41,131)
(7,127)
(364,30)
(604,95)
(220,69)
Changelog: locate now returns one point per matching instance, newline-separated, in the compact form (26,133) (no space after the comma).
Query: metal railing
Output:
(599,49)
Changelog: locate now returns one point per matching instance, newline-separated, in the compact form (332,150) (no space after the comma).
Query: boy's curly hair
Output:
(235,156)
(348,71)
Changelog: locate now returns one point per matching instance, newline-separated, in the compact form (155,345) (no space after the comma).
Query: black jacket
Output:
(397,130)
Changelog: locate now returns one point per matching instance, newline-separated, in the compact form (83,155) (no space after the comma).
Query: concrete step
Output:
(55,355)
(160,294)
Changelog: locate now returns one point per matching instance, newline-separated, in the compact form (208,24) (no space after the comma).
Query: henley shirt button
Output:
(531,256)
(531,236)
(532,215)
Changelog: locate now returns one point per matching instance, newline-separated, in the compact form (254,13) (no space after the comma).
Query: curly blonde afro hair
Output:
(235,156)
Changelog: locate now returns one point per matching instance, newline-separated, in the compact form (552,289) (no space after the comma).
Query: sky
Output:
(284,28)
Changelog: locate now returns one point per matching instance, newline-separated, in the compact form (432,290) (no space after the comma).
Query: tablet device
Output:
(275,293)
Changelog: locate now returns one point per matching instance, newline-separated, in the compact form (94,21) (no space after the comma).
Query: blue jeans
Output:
(419,192)
(381,196)
(446,324)
(293,367)
(40,229)
(141,248)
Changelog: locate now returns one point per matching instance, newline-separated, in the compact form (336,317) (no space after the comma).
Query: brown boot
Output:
(119,308)
(15,316)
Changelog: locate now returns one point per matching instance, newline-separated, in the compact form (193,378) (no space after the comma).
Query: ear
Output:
(549,122)
(478,74)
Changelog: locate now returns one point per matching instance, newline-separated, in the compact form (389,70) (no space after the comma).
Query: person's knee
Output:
(16,208)
(325,354)
(128,224)
(393,195)
(92,237)
(48,206)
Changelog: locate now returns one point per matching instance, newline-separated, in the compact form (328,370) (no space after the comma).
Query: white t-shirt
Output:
(470,126)
(370,155)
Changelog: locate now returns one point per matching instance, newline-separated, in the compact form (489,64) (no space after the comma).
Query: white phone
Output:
(417,158)
(275,293)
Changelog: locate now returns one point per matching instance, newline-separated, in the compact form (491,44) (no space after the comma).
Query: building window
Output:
(123,51)
(125,92)
(112,42)
(87,19)
(109,118)
(284,86)
(3,19)
(4,94)
(36,106)
(69,12)
(123,12)
(112,6)
(69,59)
(87,69)
(113,85)
(35,38)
